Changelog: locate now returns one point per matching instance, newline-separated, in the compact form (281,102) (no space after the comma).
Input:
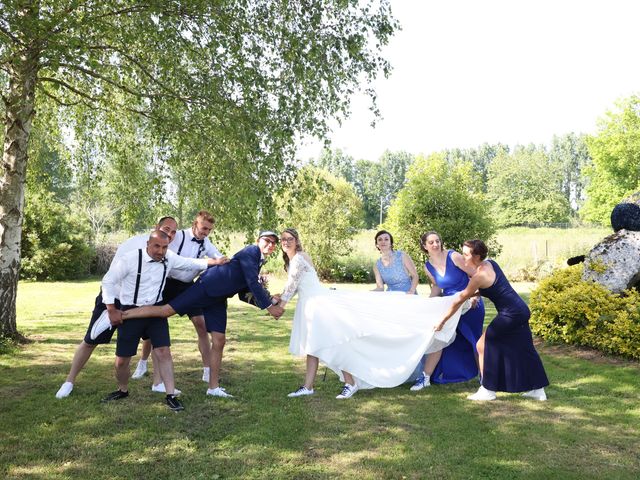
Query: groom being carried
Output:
(210,293)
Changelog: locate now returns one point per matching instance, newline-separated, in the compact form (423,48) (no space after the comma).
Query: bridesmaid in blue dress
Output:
(394,267)
(508,360)
(448,274)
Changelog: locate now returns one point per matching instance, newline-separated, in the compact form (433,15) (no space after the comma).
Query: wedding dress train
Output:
(378,337)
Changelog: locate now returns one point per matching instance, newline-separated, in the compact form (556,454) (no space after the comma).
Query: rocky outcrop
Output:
(615,261)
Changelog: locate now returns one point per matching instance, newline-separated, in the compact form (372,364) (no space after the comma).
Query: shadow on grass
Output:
(587,429)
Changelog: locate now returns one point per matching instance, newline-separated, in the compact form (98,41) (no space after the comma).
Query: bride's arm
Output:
(296,270)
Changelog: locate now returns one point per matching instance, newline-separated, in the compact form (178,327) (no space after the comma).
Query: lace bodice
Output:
(302,278)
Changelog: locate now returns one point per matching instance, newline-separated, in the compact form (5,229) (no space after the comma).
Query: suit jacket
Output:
(238,275)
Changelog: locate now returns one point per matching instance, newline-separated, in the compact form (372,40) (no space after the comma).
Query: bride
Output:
(370,339)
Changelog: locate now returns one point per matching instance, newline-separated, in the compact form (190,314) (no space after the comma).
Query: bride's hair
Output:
(294,233)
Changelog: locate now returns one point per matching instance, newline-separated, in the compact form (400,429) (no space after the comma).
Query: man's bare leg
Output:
(80,358)
(203,345)
(141,368)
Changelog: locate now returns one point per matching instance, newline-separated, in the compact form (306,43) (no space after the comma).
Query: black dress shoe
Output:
(173,403)
(117,395)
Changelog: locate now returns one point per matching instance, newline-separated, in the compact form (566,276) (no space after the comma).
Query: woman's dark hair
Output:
(477,247)
(382,232)
(294,233)
(425,236)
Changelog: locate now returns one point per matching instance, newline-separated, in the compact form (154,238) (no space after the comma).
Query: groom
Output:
(210,293)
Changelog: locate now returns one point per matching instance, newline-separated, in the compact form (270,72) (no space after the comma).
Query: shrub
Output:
(564,308)
(326,212)
(441,197)
(55,244)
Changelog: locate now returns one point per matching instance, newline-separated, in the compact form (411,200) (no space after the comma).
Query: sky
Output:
(466,72)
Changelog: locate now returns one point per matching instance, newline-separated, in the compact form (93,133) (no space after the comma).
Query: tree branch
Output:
(69,87)
(113,83)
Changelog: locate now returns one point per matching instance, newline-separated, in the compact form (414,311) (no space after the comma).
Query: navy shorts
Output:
(131,331)
(104,337)
(215,316)
(174,288)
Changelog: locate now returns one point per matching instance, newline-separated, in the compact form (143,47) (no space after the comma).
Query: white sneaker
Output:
(141,370)
(102,324)
(537,394)
(218,392)
(161,389)
(65,390)
(301,392)
(483,395)
(205,374)
(421,382)
(347,391)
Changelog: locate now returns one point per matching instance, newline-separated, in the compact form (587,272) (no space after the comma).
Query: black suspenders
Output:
(181,243)
(164,275)
(135,294)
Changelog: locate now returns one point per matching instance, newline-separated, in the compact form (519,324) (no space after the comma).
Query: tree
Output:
(480,159)
(233,83)
(326,212)
(336,162)
(571,153)
(442,197)
(526,187)
(377,183)
(615,172)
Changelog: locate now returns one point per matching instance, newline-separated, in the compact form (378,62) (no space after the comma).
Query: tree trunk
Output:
(19,110)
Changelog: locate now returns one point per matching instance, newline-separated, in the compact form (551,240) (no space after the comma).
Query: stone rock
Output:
(615,261)
(626,216)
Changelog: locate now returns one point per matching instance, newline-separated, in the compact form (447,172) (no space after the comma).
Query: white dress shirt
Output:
(120,281)
(184,245)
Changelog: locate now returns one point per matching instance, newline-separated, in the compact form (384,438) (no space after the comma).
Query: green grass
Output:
(589,428)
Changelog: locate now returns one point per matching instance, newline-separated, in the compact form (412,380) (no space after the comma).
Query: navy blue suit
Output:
(220,282)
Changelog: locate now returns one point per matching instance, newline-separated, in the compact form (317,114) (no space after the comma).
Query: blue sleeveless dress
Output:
(458,361)
(395,276)
(511,363)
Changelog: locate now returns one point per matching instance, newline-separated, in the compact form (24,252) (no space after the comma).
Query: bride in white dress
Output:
(370,339)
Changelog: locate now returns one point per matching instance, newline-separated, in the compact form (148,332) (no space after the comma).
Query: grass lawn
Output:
(589,428)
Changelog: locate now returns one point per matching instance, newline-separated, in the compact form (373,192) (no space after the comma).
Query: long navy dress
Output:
(458,361)
(511,363)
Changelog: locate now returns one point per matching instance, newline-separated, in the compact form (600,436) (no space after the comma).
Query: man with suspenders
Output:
(137,278)
(85,349)
(192,242)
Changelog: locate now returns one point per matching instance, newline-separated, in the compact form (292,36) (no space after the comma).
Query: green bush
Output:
(564,308)
(351,270)
(55,244)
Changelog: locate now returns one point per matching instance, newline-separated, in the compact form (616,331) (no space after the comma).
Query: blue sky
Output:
(473,71)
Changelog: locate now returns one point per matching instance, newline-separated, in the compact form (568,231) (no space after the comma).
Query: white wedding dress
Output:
(378,337)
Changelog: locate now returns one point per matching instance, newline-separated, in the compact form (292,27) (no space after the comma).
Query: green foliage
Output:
(564,308)
(55,244)
(480,158)
(352,269)
(442,197)
(571,153)
(376,183)
(326,212)
(526,187)
(615,150)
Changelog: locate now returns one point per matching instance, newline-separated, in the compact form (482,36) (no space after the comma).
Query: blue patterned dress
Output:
(458,361)
(395,275)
